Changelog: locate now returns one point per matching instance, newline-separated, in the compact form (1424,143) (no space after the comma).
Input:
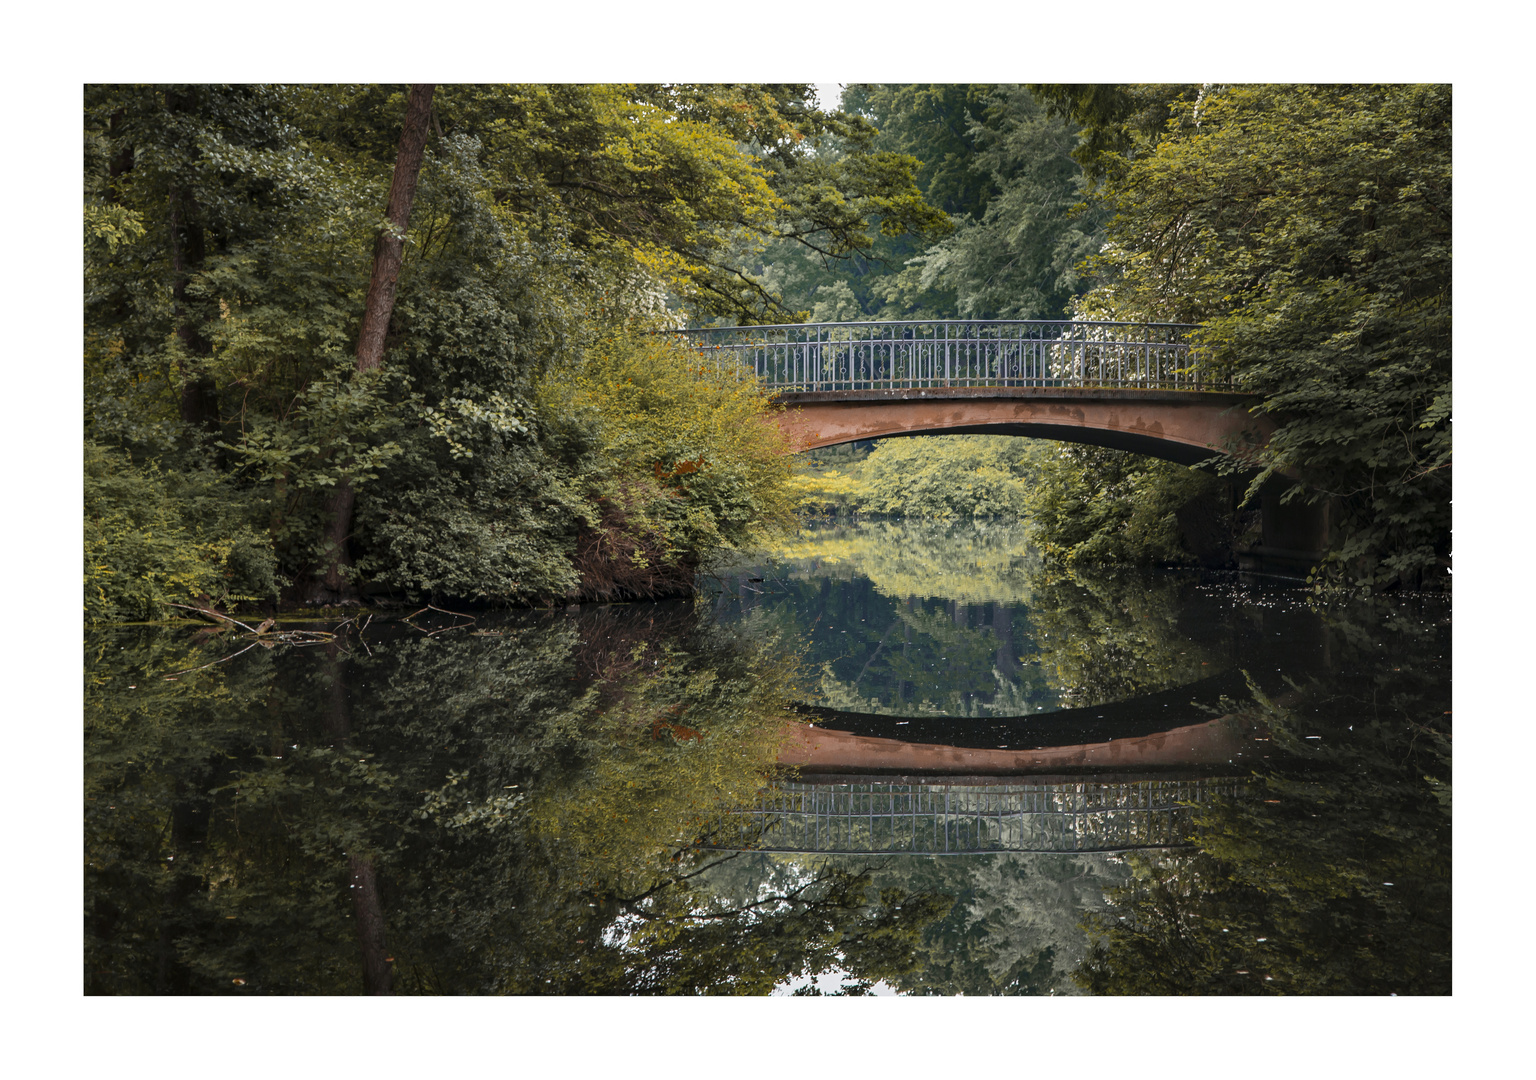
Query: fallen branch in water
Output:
(210,613)
(265,634)
(442,629)
(210,664)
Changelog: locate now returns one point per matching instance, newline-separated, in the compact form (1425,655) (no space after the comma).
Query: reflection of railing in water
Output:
(1083,816)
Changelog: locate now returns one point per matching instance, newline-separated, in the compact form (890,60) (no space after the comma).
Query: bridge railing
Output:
(922,354)
(939,818)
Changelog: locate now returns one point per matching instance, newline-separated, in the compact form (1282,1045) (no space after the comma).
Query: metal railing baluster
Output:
(915,354)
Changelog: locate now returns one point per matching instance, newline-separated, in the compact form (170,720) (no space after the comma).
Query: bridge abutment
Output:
(1294,536)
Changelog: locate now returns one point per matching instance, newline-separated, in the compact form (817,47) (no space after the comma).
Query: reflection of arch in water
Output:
(1222,744)
(1143,735)
(1180,706)
(1120,794)
(910,816)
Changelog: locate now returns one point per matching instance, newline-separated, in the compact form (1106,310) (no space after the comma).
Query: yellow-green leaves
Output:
(690,448)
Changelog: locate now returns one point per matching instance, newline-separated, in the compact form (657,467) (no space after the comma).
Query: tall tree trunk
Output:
(388,253)
(188,250)
(389,248)
(362,875)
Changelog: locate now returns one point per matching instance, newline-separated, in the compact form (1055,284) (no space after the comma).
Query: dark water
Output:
(585,801)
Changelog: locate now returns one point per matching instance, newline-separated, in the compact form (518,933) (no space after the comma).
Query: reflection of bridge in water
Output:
(950,818)
(871,795)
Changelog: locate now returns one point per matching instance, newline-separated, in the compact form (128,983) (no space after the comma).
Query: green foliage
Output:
(937,477)
(530,797)
(691,460)
(1092,505)
(1018,255)
(1000,167)
(487,493)
(944,476)
(686,178)
(1119,122)
(1308,228)
(228,232)
(154,537)
(935,124)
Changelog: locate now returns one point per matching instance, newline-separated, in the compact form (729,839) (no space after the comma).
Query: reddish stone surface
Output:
(1220,742)
(1183,426)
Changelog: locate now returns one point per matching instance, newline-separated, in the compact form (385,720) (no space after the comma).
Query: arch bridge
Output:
(1137,386)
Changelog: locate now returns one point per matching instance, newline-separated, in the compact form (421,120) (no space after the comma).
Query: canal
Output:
(998,777)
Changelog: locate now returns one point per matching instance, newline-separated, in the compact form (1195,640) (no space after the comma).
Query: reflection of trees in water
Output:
(1111,635)
(897,622)
(528,796)
(1336,878)
(928,659)
(1014,927)
(487,779)
(970,562)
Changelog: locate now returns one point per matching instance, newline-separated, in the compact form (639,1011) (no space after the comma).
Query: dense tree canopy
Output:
(994,161)
(228,240)
(228,232)
(1308,228)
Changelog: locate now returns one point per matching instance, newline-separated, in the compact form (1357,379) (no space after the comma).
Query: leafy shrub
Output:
(499,526)
(946,476)
(1093,505)
(691,463)
(156,537)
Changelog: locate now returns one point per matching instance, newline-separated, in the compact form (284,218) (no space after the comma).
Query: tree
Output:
(688,179)
(1094,505)
(1120,123)
(978,476)
(234,322)
(1308,229)
(1019,255)
(999,165)
(389,249)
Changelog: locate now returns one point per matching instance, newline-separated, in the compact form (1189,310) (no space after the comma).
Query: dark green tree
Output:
(1332,874)
(1308,229)
(234,321)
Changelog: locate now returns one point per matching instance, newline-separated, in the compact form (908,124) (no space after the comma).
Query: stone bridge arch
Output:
(1174,425)
(1181,426)
(1131,386)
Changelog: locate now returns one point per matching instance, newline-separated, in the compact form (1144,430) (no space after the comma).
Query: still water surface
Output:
(585,801)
